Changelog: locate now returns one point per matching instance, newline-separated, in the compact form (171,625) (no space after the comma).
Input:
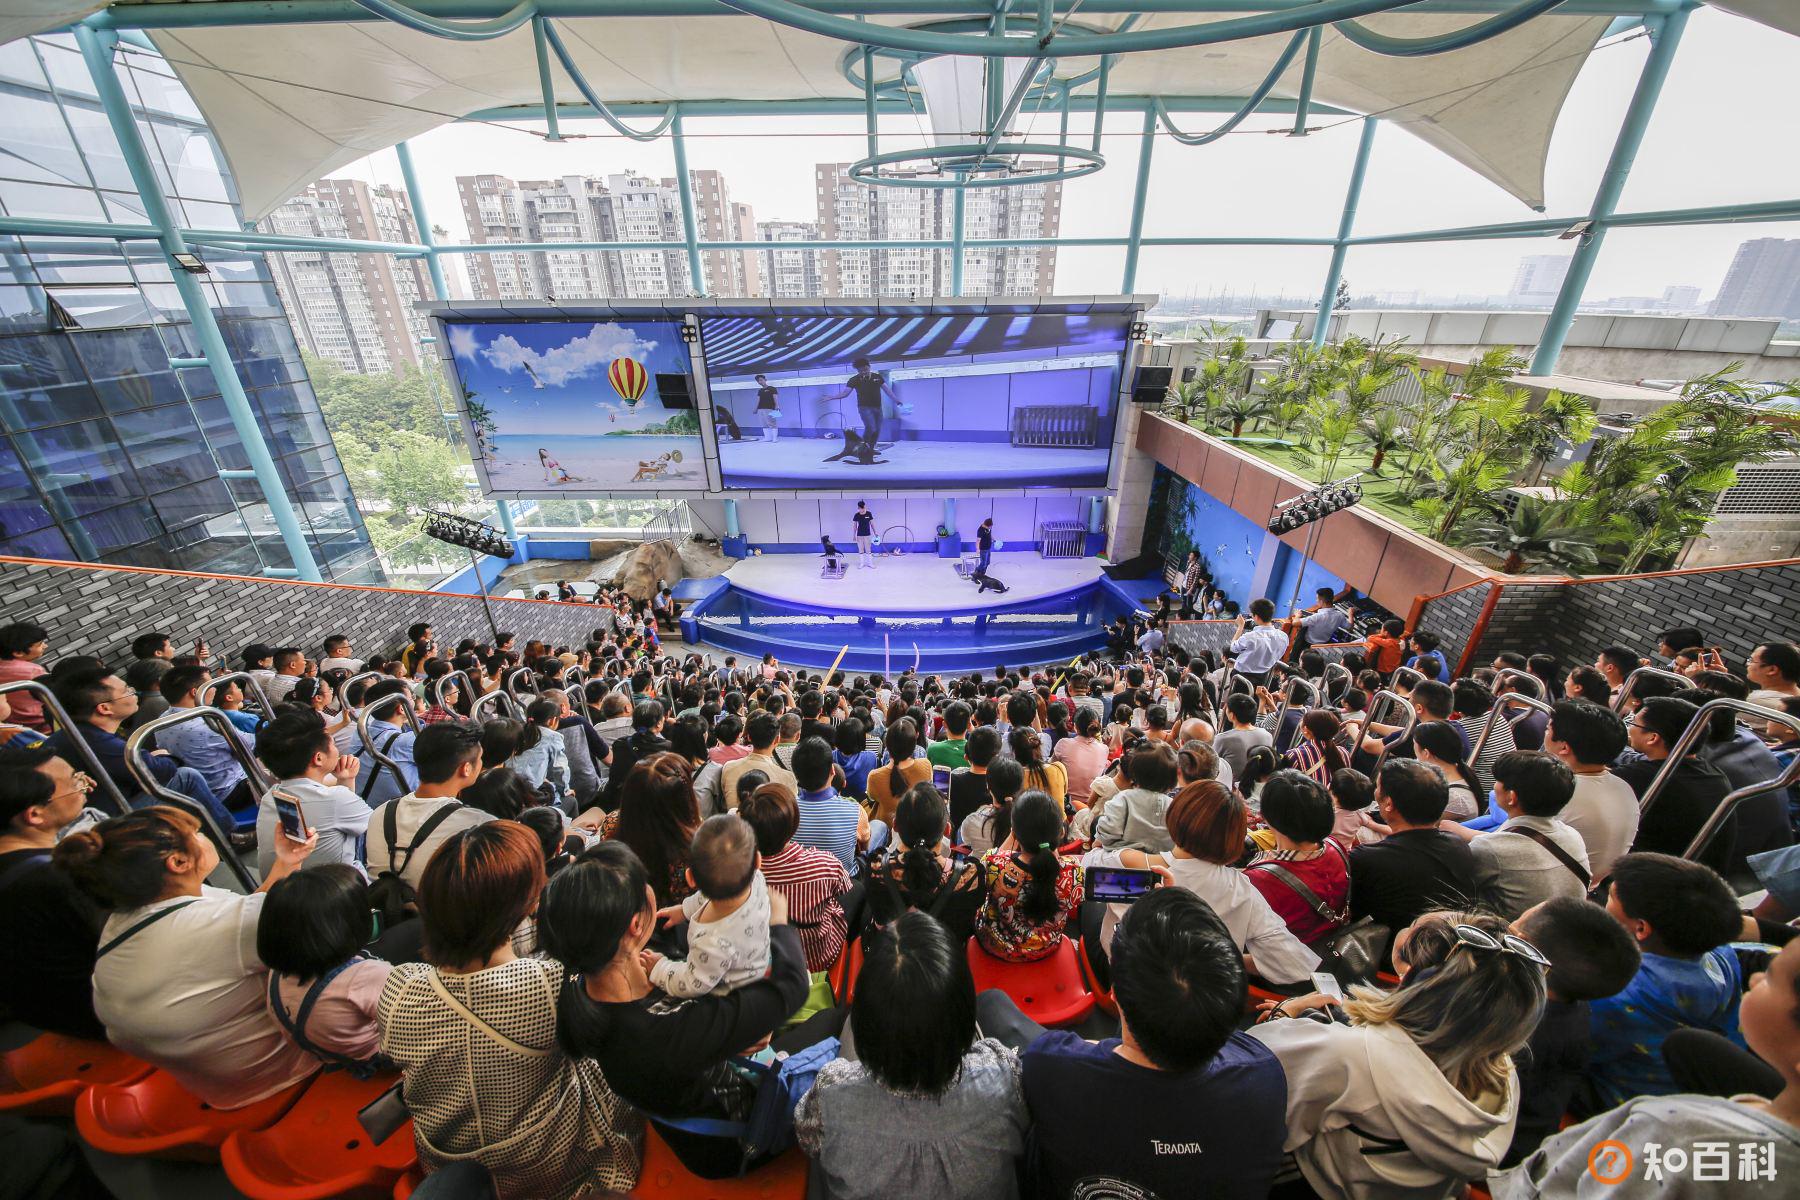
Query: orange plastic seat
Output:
(662,1177)
(1052,991)
(319,1150)
(844,971)
(1102,996)
(156,1116)
(43,1077)
(403,1186)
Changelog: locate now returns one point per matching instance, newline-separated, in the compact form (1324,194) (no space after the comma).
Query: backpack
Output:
(769,1128)
(390,896)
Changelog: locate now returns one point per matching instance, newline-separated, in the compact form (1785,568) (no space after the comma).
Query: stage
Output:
(910,584)
(909,609)
(797,461)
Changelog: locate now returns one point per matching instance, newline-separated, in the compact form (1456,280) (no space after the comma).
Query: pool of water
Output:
(1040,631)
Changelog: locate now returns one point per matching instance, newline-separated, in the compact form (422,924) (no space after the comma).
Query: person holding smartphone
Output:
(313,778)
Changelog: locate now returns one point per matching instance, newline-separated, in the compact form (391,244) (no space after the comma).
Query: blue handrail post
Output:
(1346,226)
(1139,196)
(731,518)
(1303,104)
(690,232)
(97,52)
(956,243)
(1665,36)
(415,199)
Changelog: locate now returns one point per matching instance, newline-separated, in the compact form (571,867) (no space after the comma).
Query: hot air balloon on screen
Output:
(629,379)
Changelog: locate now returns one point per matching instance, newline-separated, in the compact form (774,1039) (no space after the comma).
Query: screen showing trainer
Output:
(574,407)
(935,400)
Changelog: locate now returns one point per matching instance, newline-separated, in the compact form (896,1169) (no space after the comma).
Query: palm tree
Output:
(1183,398)
(1248,406)
(1384,431)
(1538,532)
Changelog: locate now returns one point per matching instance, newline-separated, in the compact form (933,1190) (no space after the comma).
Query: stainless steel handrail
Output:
(1511,673)
(1630,684)
(1287,702)
(496,699)
(1697,728)
(375,707)
(255,685)
(1416,676)
(1333,669)
(1517,699)
(1375,710)
(219,723)
(572,669)
(444,680)
(510,679)
(114,798)
(363,678)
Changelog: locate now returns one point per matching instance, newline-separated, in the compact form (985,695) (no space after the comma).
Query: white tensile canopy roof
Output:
(292,103)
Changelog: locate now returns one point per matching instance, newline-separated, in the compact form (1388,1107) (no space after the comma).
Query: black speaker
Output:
(674,390)
(1151,384)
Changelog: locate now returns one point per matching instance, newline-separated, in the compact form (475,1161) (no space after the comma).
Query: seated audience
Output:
(927,1107)
(989,825)
(322,987)
(1533,856)
(22,644)
(1681,914)
(814,882)
(1418,1092)
(1306,877)
(51,928)
(1688,797)
(727,915)
(1591,957)
(1031,890)
(657,817)
(918,872)
(298,751)
(405,832)
(474,1030)
(1353,798)
(829,821)
(1134,819)
(761,730)
(389,734)
(177,978)
(667,1057)
(1604,809)
(1417,868)
(1207,824)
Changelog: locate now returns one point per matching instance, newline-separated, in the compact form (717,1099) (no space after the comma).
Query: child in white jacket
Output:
(728,917)
(1417,1093)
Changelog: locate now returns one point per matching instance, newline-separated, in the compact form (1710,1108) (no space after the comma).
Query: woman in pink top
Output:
(310,935)
(21,645)
(1083,756)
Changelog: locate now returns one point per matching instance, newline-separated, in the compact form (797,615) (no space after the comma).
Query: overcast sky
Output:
(1724,133)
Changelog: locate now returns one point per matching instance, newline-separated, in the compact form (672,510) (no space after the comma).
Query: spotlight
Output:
(1298,511)
(1140,331)
(190,262)
(471,535)
(690,333)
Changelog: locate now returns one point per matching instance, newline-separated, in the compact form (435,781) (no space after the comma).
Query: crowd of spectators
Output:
(609,881)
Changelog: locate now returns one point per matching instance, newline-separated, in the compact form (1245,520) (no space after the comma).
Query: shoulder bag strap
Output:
(1557,852)
(457,1006)
(1300,888)
(296,1024)
(427,827)
(390,824)
(142,925)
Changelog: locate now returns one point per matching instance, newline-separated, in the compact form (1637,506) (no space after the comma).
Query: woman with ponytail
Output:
(177,980)
(1032,890)
(1318,756)
(1027,747)
(1440,745)
(917,873)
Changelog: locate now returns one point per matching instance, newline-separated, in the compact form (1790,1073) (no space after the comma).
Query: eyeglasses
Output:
(1506,943)
(81,783)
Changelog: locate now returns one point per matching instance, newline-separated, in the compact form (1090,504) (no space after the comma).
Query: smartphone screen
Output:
(293,821)
(1326,983)
(1119,885)
(940,779)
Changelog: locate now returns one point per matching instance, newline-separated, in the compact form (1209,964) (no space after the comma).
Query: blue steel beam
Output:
(97,53)
(690,233)
(1346,223)
(273,12)
(1303,104)
(1665,37)
(415,199)
(1140,195)
(958,241)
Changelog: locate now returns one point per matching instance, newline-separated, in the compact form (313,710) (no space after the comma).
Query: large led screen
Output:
(572,407)
(936,400)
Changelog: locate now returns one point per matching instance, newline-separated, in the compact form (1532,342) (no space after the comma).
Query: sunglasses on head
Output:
(1480,939)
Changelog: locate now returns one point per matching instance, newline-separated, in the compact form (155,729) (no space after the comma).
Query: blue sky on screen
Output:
(553,377)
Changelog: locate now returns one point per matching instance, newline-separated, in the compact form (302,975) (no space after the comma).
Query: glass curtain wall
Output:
(110,455)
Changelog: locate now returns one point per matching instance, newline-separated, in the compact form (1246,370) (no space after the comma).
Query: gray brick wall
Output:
(1453,618)
(98,610)
(1736,608)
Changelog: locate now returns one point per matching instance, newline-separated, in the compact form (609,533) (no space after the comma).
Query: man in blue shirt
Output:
(1682,915)
(1180,1104)
(200,746)
(99,702)
(1426,656)
(391,736)
(830,822)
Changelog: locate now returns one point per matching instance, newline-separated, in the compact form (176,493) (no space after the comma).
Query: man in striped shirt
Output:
(813,881)
(829,822)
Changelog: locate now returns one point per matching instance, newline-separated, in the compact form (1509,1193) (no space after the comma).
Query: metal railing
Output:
(1376,712)
(575,670)
(372,709)
(1630,684)
(673,523)
(445,680)
(1334,670)
(1508,674)
(103,782)
(1514,699)
(509,683)
(496,699)
(250,684)
(1417,677)
(360,680)
(219,723)
(1287,701)
(1697,728)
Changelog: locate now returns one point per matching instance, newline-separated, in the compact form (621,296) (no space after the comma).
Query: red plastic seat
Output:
(844,971)
(319,1150)
(1102,996)
(43,1077)
(662,1177)
(156,1116)
(1051,991)
(403,1186)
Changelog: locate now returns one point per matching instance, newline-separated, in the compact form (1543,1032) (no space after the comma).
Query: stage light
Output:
(190,262)
(1140,331)
(690,333)
(1299,511)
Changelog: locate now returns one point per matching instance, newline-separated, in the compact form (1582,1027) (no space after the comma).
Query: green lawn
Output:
(1378,493)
